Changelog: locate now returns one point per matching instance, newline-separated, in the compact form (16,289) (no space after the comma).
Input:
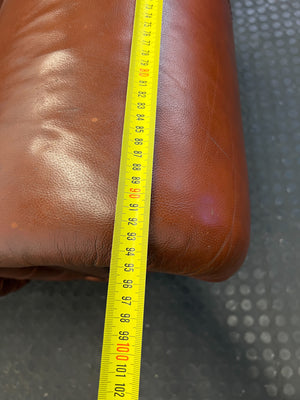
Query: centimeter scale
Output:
(123,330)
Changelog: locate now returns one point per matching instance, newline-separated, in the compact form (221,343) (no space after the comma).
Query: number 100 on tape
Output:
(123,330)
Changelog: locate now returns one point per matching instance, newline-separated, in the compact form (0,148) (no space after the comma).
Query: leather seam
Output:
(229,6)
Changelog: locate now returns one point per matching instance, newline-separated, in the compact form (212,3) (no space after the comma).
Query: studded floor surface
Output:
(235,340)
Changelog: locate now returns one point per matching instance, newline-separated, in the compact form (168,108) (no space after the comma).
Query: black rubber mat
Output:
(235,340)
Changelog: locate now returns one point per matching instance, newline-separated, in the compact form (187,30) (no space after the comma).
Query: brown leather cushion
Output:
(63,77)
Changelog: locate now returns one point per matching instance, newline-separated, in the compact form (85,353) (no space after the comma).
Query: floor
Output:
(234,340)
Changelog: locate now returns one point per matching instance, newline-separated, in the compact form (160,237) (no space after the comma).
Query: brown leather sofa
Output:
(63,77)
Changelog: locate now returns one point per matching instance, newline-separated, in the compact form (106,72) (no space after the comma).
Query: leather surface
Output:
(63,77)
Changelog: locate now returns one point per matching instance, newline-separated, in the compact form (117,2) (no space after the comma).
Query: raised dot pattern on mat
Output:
(262,302)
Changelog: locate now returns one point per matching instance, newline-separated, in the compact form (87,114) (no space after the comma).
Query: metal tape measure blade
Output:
(123,330)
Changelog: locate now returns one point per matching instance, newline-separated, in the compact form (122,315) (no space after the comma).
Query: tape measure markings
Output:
(122,342)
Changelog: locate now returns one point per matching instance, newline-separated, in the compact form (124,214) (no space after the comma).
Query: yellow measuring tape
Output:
(123,330)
